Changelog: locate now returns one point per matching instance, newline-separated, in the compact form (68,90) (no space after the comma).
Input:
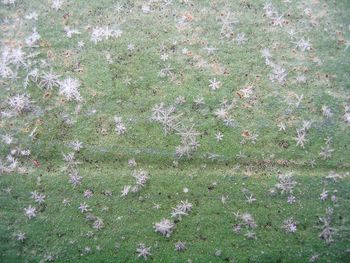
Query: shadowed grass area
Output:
(169,53)
(208,228)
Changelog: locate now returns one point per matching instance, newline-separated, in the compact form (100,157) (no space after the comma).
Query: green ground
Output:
(117,81)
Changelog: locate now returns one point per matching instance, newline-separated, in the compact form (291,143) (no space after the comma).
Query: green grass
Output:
(208,227)
(62,231)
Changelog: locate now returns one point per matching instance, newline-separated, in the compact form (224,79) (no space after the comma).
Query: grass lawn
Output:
(174,131)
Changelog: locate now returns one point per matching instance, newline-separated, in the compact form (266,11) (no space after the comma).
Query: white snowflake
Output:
(76,145)
(289,226)
(83,207)
(303,45)
(324,195)
(164,227)
(30,212)
(119,125)
(56,4)
(49,80)
(143,251)
(21,236)
(241,39)
(125,190)
(219,136)
(33,38)
(7,139)
(69,88)
(70,32)
(214,84)
(19,103)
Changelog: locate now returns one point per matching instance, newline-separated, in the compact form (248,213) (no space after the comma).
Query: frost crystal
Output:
(104,33)
(286,183)
(19,103)
(69,88)
(327,232)
(33,38)
(180,246)
(143,251)
(303,45)
(83,207)
(98,224)
(49,80)
(30,212)
(21,236)
(56,4)
(119,125)
(164,227)
(214,84)
(289,226)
